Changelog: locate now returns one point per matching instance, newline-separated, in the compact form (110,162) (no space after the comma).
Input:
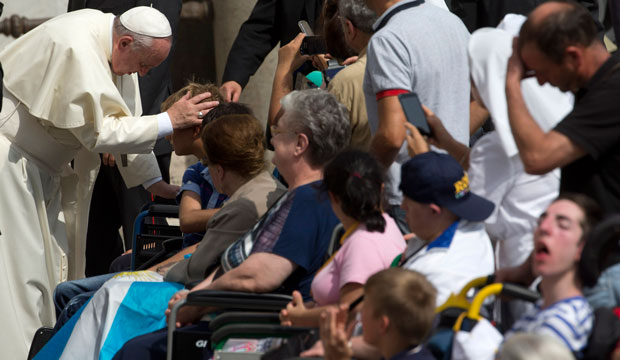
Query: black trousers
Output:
(113,206)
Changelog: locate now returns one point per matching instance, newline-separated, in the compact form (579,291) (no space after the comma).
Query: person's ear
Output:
(217,170)
(579,250)
(350,29)
(573,57)
(384,325)
(196,131)
(302,144)
(125,42)
(435,209)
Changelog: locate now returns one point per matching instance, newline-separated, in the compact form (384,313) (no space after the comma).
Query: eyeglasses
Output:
(275,131)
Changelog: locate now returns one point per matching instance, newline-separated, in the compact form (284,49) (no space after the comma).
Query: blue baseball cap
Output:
(437,178)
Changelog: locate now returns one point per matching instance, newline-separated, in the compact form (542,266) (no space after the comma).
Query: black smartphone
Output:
(414,113)
(312,45)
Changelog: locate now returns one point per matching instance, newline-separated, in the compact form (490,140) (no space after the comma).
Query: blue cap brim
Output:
(473,208)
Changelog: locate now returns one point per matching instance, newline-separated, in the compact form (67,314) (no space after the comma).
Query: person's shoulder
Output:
(348,79)
(193,172)
(577,306)
(472,228)
(574,313)
(309,191)
(265,183)
(199,167)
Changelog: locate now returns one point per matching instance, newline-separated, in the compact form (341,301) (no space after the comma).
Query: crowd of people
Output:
(515,177)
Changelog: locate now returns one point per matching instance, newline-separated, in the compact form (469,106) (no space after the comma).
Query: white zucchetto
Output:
(146,21)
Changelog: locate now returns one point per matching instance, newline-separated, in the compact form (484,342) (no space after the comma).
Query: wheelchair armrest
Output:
(256,331)
(173,244)
(225,300)
(236,317)
(170,247)
(163,210)
(238,300)
(519,292)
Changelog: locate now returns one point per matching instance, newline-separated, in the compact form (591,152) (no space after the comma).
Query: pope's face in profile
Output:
(128,58)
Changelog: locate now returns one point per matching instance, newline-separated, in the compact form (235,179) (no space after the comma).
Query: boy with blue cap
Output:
(447,218)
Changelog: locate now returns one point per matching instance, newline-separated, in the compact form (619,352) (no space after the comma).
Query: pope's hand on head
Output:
(189,111)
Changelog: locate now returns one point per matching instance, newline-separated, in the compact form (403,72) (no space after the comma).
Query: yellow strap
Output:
(344,236)
(459,322)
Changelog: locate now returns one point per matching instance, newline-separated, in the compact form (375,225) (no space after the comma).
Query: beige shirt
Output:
(242,210)
(347,87)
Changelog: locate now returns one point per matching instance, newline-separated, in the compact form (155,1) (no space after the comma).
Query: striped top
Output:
(569,320)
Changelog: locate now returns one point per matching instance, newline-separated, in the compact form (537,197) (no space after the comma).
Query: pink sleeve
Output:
(359,258)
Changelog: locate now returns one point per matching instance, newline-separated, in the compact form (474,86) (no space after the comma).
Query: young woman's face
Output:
(557,239)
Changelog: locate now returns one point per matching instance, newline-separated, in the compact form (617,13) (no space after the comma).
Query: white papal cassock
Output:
(61,103)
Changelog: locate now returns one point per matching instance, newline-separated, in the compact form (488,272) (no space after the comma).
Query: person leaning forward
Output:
(70,92)
(558,44)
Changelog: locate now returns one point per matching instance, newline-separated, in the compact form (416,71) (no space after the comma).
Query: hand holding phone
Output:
(414,112)
(311,44)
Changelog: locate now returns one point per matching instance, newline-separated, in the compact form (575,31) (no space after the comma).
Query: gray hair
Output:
(322,118)
(139,41)
(358,14)
(525,346)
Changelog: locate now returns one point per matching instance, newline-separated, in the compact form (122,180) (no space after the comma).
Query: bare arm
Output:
(289,60)
(478,115)
(192,217)
(540,152)
(297,314)
(166,264)
(260,272)
(390,134)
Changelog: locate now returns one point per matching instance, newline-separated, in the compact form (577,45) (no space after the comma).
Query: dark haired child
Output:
(353,180)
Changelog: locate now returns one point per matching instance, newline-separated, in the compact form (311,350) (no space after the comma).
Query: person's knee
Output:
(63,293)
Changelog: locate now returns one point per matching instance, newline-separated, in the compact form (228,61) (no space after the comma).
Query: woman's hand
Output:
(186,315)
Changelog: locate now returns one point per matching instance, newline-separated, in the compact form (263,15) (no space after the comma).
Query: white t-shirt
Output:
(461,253)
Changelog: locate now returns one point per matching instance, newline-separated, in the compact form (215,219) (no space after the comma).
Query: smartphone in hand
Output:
(414,113)
(311,44)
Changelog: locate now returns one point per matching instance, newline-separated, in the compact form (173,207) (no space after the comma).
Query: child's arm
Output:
(298,314)
(192,217)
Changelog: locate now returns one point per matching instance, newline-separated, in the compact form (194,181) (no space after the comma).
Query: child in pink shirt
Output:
(354,182)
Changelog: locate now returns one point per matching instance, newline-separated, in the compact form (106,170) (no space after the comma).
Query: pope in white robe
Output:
(70,93)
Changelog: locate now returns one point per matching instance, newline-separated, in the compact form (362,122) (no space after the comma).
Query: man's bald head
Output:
(555,25)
